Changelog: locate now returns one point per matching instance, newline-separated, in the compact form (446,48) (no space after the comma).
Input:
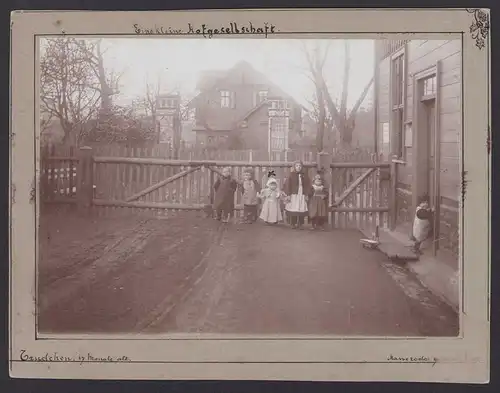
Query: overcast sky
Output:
(179,61)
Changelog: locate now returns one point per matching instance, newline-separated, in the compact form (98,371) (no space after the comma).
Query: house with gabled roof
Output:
(241,104)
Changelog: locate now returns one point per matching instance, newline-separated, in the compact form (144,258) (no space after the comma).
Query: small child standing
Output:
(422,227)
(296,188)
(225,187)
(271,211)
(250,189)
(318,203)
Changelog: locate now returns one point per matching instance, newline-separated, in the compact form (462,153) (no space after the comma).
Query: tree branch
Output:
(345,81)
(360,100)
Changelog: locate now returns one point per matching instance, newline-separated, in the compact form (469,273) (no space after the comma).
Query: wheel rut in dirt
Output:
(122,287)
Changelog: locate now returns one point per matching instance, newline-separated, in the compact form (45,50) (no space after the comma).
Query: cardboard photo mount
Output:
(464,359)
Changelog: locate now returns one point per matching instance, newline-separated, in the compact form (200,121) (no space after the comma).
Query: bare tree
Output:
(319,115)
(74,85)
(45,121)
(342,119)
(316,59)
(67,90)
(107,81)
(147,103)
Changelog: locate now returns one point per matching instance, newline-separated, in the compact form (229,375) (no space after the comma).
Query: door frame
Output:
(420,152)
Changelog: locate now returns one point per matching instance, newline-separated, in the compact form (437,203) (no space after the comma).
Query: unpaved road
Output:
(196,275)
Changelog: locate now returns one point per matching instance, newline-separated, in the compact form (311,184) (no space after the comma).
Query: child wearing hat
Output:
(250,189)
(271,211)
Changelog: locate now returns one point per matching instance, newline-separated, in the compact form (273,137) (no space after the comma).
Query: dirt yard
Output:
(109,274)
(186,273)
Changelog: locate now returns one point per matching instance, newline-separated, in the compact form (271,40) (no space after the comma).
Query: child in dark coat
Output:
(225,187)
(318,203)
(296,189)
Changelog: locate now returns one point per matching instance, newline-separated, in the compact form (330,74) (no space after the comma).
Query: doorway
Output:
(427,142)
(429,109)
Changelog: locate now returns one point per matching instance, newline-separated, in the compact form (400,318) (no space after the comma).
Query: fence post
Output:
(323,165)
(211,185)
(332,199)
(85,179)
(392,195)
(323,162)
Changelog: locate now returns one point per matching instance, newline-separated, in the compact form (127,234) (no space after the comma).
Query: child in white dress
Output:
(271,212)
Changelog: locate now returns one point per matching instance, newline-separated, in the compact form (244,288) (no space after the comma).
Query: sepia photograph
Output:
(215,189)
(249,186)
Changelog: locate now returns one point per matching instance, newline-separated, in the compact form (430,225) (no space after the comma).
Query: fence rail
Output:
(199,153)
(166,162)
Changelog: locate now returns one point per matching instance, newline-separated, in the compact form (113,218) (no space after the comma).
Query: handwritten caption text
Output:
(207,31)
(54,357)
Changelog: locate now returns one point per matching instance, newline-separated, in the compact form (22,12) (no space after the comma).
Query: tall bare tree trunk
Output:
(345,81)
(106,90)
(321,121)
(346,129)
(318,69)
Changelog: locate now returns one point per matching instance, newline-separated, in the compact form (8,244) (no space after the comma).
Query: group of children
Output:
(299,197)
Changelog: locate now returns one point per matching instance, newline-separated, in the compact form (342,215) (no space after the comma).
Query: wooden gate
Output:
(139,183)
(360,195)
(180,185)
(359,192)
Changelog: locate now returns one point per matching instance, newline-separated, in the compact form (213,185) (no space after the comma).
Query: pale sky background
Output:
(179,61)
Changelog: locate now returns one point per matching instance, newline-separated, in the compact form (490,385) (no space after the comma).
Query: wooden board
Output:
(397,251)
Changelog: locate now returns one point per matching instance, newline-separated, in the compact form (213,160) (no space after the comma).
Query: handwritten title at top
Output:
(206,31)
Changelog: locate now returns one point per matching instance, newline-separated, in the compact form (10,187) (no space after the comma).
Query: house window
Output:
(279,105)
(261,96)
(398,90)
(430,86)
(227,99)
(278,144)
(279,128)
